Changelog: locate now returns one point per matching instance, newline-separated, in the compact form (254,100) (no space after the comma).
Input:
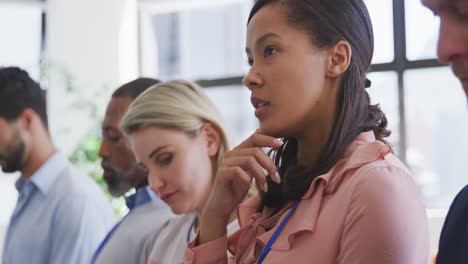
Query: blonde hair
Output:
(180,105)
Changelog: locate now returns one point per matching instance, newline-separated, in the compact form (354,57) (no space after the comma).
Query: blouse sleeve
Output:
(214,252)
(386,221)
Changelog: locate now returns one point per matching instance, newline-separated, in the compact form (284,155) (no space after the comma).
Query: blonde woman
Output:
(179,137)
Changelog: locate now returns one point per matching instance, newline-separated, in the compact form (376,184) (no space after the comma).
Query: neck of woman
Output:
(311,145)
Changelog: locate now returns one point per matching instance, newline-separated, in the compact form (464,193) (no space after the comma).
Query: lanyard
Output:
(190,229)
(275,235)
(106,239)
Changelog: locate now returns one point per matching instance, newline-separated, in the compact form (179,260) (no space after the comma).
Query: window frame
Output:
(399,65)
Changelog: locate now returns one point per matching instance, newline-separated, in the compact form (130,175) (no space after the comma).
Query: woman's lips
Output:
(261,111)
(167,198)
(261,106)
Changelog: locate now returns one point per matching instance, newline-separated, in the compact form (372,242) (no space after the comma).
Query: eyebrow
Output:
(156,150)
(262,39)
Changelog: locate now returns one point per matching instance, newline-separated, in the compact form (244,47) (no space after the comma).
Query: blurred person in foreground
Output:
(452,49)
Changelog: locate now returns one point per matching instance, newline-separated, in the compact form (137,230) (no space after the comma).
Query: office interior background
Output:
(81,50)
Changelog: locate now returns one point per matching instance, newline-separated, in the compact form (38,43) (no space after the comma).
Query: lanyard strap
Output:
(190,229)
(275,235)
(106,239)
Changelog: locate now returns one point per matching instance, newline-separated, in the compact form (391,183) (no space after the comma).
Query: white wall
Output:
(96,43)
(22,46)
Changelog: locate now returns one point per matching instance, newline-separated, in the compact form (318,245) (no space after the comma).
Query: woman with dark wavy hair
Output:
(334,191)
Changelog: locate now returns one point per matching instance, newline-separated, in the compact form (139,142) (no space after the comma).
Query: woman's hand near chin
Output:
(233,180)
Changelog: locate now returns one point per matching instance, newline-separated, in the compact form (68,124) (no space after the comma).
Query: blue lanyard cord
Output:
(190,229)
(275,235)
(106,239)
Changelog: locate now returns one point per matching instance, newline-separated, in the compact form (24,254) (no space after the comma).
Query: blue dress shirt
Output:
(60,217)
(140,197)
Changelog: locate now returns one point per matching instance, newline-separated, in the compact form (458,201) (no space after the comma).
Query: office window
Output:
(405,77)
(197,43)
(234,103)
(382,21)
(422,31)
(436,131)
(384,91)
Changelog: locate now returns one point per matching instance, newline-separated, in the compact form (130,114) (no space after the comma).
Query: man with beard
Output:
(61,214)
(453,49)
(132,239)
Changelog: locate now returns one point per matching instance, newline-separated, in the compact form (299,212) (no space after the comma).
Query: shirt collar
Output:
(46,175)
(363,150)
(142,196)
(19,185)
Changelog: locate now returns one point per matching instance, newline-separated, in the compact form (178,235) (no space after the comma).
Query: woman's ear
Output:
(213,138)
(339,59)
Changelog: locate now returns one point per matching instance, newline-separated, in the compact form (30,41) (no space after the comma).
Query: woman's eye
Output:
(250,62)
(165,159)
(268,51)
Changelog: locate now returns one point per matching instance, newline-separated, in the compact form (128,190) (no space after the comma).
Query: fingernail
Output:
(278,142)
(278,178)
(265,187)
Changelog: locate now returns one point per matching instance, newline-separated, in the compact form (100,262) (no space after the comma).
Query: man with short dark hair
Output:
(453,49)
(133,238)
(121,172)
(61,214)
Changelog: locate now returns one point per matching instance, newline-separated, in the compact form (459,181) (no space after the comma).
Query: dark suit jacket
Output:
(453,244)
